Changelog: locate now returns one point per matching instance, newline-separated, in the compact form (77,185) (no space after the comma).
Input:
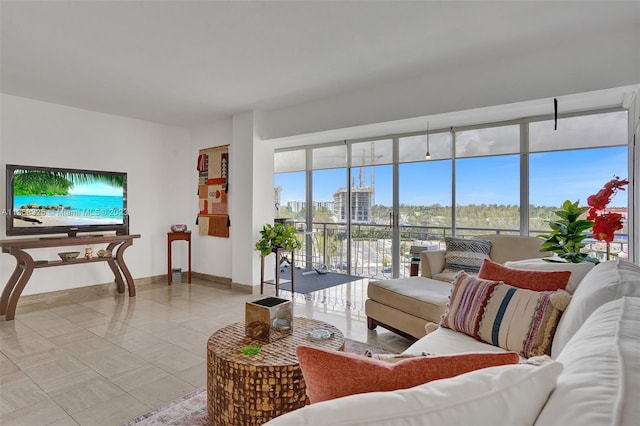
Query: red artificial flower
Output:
(600,200)
(605,226)
(605,223)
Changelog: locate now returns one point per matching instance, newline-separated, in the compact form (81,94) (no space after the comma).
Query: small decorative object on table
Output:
(179,228)
(68,255)
(104,253)
(268,319)
(251,350)
(88,253)
(320,334)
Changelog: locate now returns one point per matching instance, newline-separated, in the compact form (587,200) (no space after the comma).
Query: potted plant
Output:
(276,236)
(567,234)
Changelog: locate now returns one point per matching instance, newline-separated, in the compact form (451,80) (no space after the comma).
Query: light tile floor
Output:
(103,360)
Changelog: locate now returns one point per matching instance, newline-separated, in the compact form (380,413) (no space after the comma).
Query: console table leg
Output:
(25,261)
(123,267)
(114,268)
(8,288)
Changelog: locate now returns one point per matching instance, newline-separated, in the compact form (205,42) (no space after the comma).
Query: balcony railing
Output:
(371,255)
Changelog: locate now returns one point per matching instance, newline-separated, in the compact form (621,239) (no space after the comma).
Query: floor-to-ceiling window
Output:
(572,162)
(329,221)
(371,188)
(290,188)
(487,180)
(424,192)
(373,199)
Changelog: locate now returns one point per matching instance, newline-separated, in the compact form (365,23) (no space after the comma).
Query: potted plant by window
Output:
(272,238)
(277,236)
(567,234)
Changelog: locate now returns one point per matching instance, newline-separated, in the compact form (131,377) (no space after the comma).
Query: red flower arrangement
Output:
(605,223)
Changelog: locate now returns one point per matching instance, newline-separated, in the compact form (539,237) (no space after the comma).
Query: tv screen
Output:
(48,200)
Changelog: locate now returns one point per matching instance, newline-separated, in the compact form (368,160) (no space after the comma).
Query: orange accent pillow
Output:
(524,278)
(332,374)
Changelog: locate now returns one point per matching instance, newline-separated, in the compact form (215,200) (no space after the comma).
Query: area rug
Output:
(191,409)
(308,280)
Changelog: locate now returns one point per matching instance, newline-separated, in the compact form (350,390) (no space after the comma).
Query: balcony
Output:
(371,255)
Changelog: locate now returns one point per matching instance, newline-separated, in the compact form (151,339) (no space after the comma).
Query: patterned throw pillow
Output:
(512,318)
(465,255)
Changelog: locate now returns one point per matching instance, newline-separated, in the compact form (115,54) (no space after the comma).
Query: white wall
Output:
(250,195)
(211,255)
(154,156)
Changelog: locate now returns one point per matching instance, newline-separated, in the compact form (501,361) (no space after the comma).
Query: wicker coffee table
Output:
(251,390)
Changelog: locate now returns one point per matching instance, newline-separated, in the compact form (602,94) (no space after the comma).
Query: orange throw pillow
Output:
(524,278)
(332,374)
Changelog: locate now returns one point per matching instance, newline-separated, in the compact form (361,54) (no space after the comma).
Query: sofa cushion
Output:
(601,380)
(523,278)
(417,296)
(332,374)
(446,341)
(607,281)
(578,270)
(465,255)
(510,394)
(514,319)
(446,276)
(513,247)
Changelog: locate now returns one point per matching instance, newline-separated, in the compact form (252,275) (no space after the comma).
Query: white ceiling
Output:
(192,62)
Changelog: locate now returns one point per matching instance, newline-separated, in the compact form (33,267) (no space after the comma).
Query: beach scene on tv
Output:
(49,198)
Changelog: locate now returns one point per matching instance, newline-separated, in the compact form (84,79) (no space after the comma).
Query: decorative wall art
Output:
(213,186)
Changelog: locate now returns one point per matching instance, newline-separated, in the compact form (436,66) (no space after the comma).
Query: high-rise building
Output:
(361,203)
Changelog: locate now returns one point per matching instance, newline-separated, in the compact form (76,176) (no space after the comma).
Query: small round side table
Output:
(250,390)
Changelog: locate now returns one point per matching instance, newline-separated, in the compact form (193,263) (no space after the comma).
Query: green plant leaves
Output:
(567,234)
(277,236)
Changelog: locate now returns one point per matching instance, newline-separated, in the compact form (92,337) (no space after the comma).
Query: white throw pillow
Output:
(578,270)
(607,281)
(600,384)
(512,395)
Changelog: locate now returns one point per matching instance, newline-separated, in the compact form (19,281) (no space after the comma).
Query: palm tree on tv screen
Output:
(28,182)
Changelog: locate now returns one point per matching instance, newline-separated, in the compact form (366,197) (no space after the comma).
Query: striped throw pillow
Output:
(512,318)
(465,255)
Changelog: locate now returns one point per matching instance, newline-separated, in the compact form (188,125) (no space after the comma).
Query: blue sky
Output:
(554,177)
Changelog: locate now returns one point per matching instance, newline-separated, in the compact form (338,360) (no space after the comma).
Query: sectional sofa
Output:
(406,305)
(592,376)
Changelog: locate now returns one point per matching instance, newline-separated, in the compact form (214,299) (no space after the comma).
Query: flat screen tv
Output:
(49,200)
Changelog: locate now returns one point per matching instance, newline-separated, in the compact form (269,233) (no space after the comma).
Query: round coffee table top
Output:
(227,343)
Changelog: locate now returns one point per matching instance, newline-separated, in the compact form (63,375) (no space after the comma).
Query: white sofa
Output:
(592,379)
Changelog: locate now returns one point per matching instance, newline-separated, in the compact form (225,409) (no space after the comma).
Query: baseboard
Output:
(72,295)
(245,288)
(208,277)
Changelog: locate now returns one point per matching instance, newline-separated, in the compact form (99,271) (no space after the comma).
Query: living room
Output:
(83,87)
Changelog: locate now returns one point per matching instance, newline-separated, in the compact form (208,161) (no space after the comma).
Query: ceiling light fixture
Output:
(427,156)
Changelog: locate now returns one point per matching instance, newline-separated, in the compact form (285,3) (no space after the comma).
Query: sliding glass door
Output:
(371,205)
(424,189)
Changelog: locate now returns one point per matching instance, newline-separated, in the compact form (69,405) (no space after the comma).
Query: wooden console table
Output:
(25,264)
